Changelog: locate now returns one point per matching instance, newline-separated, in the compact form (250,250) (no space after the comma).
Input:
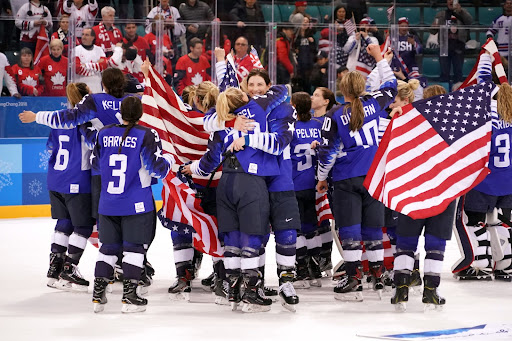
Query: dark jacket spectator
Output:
(357,8)
(319,74)
(285,60)
(198,12)
(305,48)
(249,11)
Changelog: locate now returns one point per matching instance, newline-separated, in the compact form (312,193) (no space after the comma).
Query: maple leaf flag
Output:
(42,46)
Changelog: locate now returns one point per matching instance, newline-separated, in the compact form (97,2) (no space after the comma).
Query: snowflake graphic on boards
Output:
(29,81)
(5,176)
(35,188)
(58,79)
(44,156)
(197,79)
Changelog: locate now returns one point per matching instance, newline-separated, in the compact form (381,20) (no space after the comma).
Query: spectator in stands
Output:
(7,25)
(249,11)
(297,16)
(82,12)
(30,17)
(107,35)
(285,60)
(409,46)
(244,62)
(90,61)
(225,42)
(131,36)
(501,26)
(54,68)
(455,17)
(340,19)
(171,15)
(319,75)
(356,45)
(62,34)
(27,75)
(138,9)
(193,68)
(340,73)
(356,9)
(150,37)
(6,77)
(126,59)
(199,13)
(305,48)
(375,32)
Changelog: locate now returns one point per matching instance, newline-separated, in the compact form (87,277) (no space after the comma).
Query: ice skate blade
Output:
(301,284)
(428,307)
(477,278)
(289,307)
(98,307)
(273,298)
(416,290)
(221,300)
(110,288)
(255,308)
(355,296)
(401,307)
(181,296)
(379,293)
(68,286)
(328,273)
(315,283)
(142,290)
(52,283)
(503,279)
(234,306)
(132,308)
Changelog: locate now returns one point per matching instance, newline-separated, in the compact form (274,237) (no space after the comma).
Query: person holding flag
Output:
(349,143)
(358,58)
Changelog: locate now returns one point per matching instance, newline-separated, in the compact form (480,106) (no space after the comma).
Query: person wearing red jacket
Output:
(167,48)
(54,68)
(107,35)
(193,68)
(285,65)
(131,36)
(26,74)
(244,62)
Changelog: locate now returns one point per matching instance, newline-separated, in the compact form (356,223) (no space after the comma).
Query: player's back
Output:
(303,157)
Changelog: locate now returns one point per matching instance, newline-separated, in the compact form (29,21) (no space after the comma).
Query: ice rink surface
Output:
(31,311)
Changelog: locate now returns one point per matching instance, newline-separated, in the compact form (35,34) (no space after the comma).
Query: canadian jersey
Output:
(54,74)
(191,72)
(107,38)
(126,175)
(83,16)
(69,169)
(141,45)
(25,22)
(350,153)
(27,79)
(303,157)
(500,27)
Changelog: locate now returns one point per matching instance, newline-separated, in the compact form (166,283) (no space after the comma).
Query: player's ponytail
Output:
(352,85)
(75,92)
(504,97)
(406,89)
(188,94)
(301,101)
(207,94)
(131,112)
(227,102)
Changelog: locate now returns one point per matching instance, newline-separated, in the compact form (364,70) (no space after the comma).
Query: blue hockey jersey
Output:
(303,157)
(126,176)
(350,153)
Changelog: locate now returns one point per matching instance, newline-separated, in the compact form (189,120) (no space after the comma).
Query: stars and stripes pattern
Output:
(183,136)
(365,63)
(436,151)
(255,59)
(350,26)
(323,209)
(490,46)
(230,80)
(390,12)
(94,237)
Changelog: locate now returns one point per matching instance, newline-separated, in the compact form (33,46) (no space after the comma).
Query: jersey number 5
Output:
(117,172)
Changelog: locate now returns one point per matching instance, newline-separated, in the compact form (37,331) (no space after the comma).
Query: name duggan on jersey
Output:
(368,111)
(114,141)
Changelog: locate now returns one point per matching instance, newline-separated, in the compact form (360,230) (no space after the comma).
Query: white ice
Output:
(31,311)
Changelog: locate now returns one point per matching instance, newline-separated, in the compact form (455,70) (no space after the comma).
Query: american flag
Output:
(390,12)
(229,80)
(323,209)
(365,63)
(350,26)
(490,46)
(42,47)
(94,238)
(255,59)
(436,151)
(182,134)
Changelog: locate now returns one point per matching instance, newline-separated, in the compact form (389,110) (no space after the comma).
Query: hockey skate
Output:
(144,282)
(377,277)
(473,274)
(288,296)
(132,303)
(254,300)
(388,281)
(302,279)
(221,291)
(432,300)
(416,284)
(208,282)
(325,265)
(315,272)
(401,292)
(502,275)
(71,279)
(234,298)
(196,263)
(99,294)
(56,265)
(349,288)
(180,290)
(339,271)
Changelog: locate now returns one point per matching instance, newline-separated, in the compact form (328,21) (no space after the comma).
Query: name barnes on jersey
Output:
(114,141)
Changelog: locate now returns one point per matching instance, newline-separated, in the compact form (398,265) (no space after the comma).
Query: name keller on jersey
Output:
(112,105)
(114,141)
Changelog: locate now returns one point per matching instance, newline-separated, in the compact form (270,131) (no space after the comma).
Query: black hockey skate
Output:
(234,298)
(315,272)
(302,279)
(349,288)
(325,265)
(388,280)
(401,292)
(339,272)
(473,274)
(144,282)
(255,300)
(377,276)
(99,294)
(56,265)
(287,292)
(197,260)
(431,299)
(416,282)
(501,275)
(221,291)
(132,302)
(208,282)
(180,290)
(71,279)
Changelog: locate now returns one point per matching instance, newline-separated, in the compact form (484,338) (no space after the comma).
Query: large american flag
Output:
(230,80)
(182,134)
(323,209)
(490,46)
(365,63)
(436,151)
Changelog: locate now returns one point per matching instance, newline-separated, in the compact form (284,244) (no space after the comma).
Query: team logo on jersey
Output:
(58,79)
(29,81)
(197,79)
(20,72)
(50,68)
(189,70)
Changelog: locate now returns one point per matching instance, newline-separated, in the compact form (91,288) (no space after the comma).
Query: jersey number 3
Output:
(119,161)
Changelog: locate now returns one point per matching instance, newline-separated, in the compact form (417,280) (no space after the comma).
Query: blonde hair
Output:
(504,98)
(227,102)
(75,92)
(206,94)
(433,90)
(57,42)
(406,89)
(188,94)
(353,86)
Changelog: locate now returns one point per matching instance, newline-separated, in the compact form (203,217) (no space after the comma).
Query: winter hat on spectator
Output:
(403,20)
(324,33)
(367,21)
(301,3)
